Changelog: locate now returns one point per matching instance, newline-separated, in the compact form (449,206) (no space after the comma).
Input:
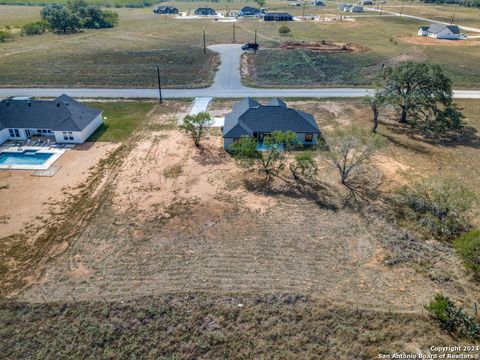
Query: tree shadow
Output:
(467,137)
(210,155)
(363,189)
(319,193)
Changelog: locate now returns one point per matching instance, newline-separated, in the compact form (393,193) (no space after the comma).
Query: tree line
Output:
(70,18)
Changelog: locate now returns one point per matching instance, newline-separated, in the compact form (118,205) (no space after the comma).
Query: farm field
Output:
(126,56)
(389,41)
(158,229)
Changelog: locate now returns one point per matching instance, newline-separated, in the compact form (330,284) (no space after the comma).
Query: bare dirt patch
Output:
(27,199)
(203,229)
(425,40)
(323,46)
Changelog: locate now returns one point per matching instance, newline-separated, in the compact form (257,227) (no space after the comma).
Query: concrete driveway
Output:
(228,76)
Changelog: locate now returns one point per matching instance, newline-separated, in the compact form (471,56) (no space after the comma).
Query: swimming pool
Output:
(28,158)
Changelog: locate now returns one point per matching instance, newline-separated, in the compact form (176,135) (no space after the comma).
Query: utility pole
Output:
(159,86)
(453,18)
(304,4)
(255,42)
(234,33)
(204,43)
(401,11)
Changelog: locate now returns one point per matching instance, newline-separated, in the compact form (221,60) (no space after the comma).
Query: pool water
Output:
(24,158)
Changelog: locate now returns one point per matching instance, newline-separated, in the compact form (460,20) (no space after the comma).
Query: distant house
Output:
(250,118)
(318,3)
(165,9)
(249,11)
(440,31)
(64,119)
(345,7)
(275,16)
(206,11)
(367,2)
(356,9)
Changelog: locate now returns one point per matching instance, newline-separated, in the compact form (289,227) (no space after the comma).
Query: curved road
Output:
(227,84)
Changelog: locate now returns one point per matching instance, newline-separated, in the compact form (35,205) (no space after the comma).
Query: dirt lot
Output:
(169,218)
(27,200)
(323,46)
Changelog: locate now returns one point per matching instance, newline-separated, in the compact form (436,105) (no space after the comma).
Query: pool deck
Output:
(40,150)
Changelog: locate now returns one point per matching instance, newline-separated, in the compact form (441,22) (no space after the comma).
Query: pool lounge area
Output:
(29,158)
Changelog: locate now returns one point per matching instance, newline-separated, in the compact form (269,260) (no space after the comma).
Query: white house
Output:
(440,31)
(64,119)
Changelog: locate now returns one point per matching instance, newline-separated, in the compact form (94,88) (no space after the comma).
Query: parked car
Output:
(250,46)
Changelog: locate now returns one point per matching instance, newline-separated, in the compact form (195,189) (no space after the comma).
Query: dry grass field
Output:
(127,55)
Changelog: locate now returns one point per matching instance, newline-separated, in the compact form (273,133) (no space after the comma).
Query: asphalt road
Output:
(227,84)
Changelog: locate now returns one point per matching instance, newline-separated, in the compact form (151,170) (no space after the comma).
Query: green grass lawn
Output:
(121,119)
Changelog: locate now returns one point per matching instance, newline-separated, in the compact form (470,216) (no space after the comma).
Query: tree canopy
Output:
(78,14)
(196,126)
(423,94)
(269,162)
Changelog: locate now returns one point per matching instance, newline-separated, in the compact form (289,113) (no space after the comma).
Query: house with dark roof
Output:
(250,118)
(165,9)
(64,119)
(249,11)
(276,16)
(205,11)
(440,31)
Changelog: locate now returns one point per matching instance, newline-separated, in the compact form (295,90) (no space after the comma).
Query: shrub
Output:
(35,28)
(442,208)
(5,36)
(284,30)
(468,247)
(452,318)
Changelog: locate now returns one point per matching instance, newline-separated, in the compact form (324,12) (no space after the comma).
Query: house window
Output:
(70,135)
(65,136)
(14,132)
(309,137)
(236,140)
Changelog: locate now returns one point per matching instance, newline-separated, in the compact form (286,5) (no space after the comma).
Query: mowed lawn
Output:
(121,119)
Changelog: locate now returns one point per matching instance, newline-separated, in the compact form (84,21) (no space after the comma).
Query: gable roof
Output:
(277,102)
(437,28)
(62,114)
(248,116)
(250,10)
(279,14)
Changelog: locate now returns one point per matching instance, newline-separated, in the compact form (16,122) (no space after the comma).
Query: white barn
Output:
(64,119)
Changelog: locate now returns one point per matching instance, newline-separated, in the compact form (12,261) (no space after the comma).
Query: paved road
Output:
(226,84)
(467,28)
